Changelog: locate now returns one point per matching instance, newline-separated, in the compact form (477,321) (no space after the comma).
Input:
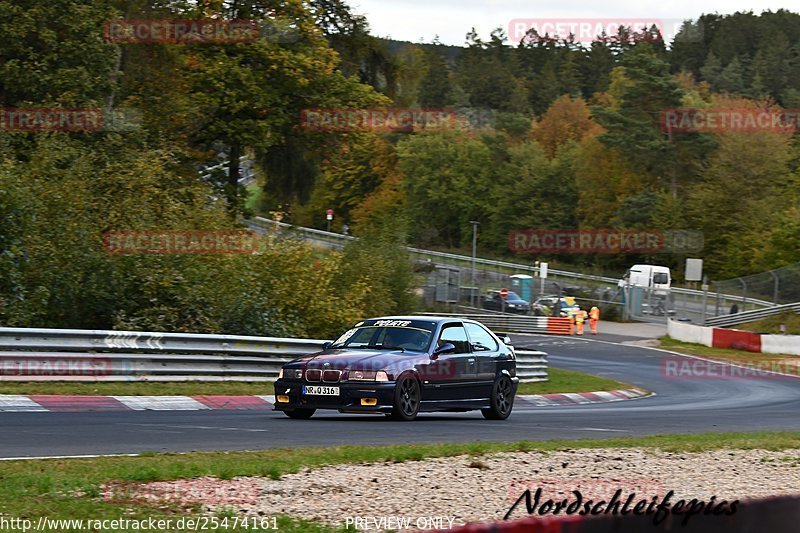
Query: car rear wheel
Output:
(300,414)
(407,398)
(502,400)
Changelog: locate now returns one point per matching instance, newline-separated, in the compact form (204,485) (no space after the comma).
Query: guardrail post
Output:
(775,292)
(705,301)
(744,293)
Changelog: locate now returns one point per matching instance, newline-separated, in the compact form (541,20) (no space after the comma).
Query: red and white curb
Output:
(581,398)
(44,403)
(13,403)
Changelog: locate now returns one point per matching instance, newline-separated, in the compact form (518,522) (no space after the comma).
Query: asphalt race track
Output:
(680,406)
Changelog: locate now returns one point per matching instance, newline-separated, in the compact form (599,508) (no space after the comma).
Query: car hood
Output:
(341,359)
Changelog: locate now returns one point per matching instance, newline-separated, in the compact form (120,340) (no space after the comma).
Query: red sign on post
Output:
(504,293)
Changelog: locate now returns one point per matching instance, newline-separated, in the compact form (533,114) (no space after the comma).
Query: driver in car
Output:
(406,339)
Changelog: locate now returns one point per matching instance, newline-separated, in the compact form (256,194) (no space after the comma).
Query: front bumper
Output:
(348,401)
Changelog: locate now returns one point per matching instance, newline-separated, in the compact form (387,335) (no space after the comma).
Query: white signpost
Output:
(694,270)
(542,276)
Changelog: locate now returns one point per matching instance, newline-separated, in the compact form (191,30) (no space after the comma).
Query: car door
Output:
(451,376)
(486,350)
(492,301)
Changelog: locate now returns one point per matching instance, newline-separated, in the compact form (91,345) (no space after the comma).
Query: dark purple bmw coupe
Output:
(401,366)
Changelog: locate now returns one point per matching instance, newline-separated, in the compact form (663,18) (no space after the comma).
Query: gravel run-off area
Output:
(447,492)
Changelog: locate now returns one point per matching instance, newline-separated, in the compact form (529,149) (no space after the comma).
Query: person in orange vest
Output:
(580,318)
(594,318)
(571,311)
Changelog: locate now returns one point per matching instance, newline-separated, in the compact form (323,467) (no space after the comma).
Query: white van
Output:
(656,278)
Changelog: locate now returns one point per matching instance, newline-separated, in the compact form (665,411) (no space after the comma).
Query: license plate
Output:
(318,390)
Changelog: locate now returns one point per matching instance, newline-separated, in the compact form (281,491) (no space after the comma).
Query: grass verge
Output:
(70,488)
(568,381)
(772,324)
(254,192)
(560,381)
(139,388)
(762,361)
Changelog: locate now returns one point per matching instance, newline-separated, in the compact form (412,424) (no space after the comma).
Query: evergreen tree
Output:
(435,89)
(712,70)
(635,127)
(544,89)
(731,79)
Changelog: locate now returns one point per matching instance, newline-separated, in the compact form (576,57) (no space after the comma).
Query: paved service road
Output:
(680,406)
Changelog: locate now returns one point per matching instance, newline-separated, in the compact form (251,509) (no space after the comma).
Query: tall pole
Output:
(472,292)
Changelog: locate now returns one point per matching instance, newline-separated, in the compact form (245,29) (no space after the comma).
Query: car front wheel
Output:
(407,398)
(502,400)
(300,414)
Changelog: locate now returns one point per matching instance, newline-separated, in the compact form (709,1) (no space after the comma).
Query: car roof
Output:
(430,318)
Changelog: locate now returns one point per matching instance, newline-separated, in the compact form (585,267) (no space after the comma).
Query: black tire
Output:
(502,400)
(300,414)
(407,398)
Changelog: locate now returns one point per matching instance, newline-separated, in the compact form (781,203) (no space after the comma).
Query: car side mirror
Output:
(327,345)
(507,340)
(447,347)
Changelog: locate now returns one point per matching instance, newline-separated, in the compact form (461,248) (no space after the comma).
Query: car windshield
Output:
(513,296)
(410,338)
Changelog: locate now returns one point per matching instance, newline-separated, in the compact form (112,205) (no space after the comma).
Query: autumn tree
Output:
(566,120)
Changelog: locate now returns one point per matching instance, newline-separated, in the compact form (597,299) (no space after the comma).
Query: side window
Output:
(456,334)
(482,340)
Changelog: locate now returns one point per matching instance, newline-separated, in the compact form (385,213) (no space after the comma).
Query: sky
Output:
(450,20)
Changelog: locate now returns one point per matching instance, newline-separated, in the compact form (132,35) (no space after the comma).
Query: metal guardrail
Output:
(95,355)
(725,321)
(531,366)
(247,174)
(35,354)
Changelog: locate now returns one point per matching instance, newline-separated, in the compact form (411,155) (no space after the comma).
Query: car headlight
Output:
(290,373)
(368,375)
(280,374)
(512,305)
